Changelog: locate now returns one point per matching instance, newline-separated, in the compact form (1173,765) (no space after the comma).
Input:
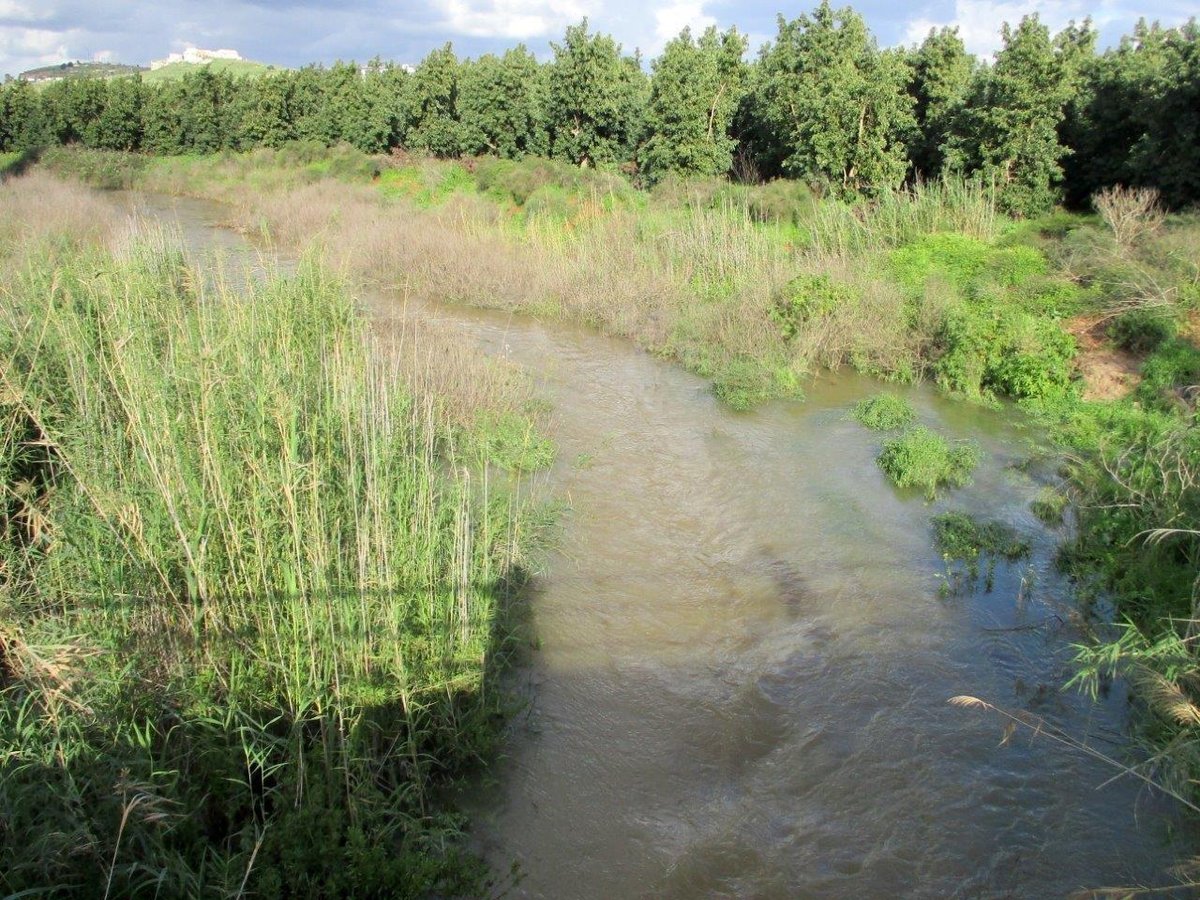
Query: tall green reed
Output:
(263,590)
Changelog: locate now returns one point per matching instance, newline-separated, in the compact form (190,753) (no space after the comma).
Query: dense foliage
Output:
(1049,119)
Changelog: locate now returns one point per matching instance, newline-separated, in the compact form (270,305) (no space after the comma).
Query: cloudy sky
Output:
(293,32)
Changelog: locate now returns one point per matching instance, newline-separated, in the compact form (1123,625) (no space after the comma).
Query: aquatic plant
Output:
(1049,505)
(961,536)
(884,412)
(922,458)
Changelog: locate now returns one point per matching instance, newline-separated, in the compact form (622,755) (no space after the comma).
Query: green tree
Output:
(694,92)
(310,111)
(1166,155)
(263,111)
(358,114)
(72,109)
(120,124)
(383,85)
(502,105)
(595,99)
(162,122)
(23,125)
(1008,131)
(836,105)
(430,105)
(941,79)
(205,115)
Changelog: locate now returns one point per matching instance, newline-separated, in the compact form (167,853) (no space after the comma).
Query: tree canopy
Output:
(1051,119)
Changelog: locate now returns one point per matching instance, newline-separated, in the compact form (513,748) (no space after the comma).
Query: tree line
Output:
(1050,119)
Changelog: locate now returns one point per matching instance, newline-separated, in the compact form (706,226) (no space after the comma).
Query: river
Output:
(742,658)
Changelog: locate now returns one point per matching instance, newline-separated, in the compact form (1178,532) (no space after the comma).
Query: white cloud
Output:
(24,12)
(27,48)
(979,21)
(670,20)
(512,19)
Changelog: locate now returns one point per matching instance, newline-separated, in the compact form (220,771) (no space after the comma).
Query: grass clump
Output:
(884,412)
(249,590)
(1050,505)
(922,458)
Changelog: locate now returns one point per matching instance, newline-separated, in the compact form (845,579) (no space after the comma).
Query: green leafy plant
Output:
(884,412)
(922,458)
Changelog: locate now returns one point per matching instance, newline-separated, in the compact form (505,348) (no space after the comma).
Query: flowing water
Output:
(743,658)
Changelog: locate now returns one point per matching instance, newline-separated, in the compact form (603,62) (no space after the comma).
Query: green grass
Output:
(922,458)
(1050,505)
(884,412)
(250,589)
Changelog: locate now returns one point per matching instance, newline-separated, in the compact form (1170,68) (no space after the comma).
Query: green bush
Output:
(884,412)
(965,262)
(1175,365)
(1142,330)
(924,459)
(806,298)
(1009,353)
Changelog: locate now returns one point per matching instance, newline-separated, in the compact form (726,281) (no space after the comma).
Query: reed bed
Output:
(250,581)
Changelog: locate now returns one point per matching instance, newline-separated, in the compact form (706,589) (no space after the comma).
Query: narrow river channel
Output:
(742,657)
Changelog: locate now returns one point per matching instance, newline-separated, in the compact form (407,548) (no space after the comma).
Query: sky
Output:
(294,32)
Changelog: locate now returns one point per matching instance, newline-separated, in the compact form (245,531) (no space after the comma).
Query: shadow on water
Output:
(741,659)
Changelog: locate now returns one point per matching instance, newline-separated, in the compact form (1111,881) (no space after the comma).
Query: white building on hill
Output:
(196,56)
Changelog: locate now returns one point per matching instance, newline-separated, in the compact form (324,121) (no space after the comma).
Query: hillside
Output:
(80,70)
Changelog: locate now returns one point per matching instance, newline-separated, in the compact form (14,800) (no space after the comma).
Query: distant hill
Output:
(240,68)
(80,70)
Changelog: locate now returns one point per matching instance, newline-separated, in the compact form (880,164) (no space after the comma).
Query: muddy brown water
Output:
(742,657)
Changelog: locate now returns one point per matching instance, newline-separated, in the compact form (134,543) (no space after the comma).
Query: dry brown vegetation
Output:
(701,286)
(39,205)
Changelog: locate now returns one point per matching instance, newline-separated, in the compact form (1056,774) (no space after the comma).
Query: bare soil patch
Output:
(1109,373)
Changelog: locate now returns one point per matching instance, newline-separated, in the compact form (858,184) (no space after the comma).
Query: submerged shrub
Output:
(963,537)
(923,458)
(884,412)
(745,382)
(965,541)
